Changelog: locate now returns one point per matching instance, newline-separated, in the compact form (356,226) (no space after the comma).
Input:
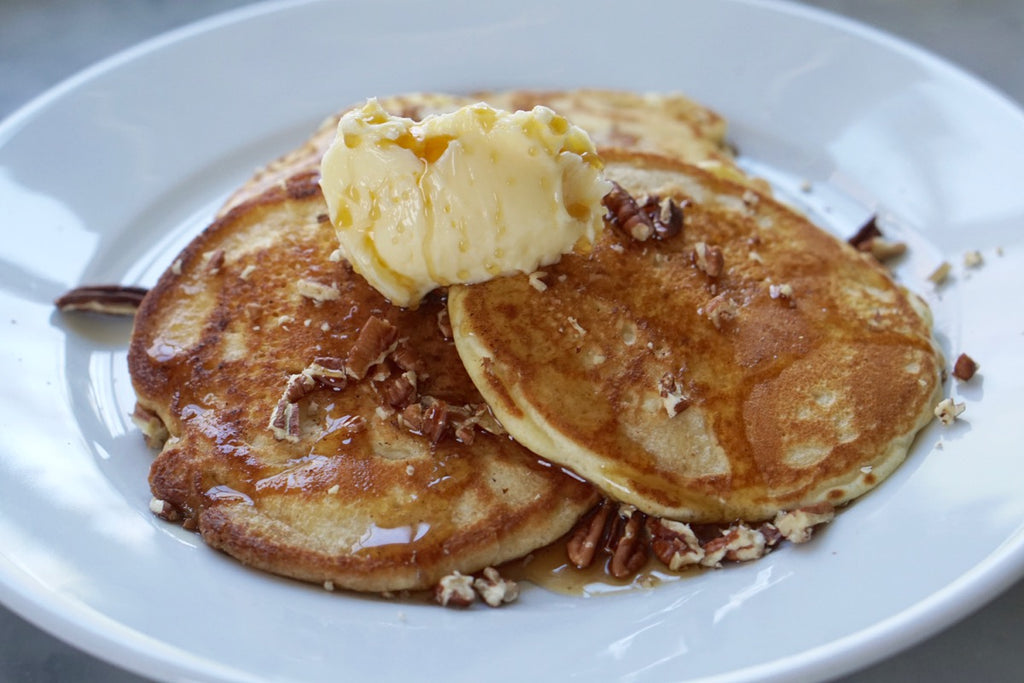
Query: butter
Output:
(460,197)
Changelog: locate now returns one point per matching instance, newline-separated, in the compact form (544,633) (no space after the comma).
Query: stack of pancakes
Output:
(742,363)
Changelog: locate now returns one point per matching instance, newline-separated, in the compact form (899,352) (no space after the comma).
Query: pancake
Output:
(313,430)
(748,364)
(666,123)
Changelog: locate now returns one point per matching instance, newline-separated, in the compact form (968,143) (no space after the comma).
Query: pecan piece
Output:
(435,420)
(964,368)
(399,390)
(106,299)
(708,259)
(587,535)
(797,526)
(455,590)
(947,411)
(674,543)
(867,232)
(375,341)
(625,213)
(673,395)
(495,590)
(328,372)
(629,551)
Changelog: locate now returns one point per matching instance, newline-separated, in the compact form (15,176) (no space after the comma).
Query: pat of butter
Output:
(459,197)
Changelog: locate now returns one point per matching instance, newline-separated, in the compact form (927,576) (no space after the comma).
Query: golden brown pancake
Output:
(667,123)
(749,364)
(318,432)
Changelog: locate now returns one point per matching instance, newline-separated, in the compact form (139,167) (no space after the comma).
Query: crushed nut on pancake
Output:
(720,310)
(537,280)
(214,261)
(708,259)
(673,395)
(376,340)
(317,291)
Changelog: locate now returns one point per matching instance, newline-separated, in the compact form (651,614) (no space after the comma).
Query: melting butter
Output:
(460,197)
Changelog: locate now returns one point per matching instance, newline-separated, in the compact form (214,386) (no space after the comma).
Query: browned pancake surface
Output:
(802,370)
(356,496)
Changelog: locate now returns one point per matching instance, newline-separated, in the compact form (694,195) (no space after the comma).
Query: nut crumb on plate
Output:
(947,411)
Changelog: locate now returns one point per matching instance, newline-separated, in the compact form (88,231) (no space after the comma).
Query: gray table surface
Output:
(44,41)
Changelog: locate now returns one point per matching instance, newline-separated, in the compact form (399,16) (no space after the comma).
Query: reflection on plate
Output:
(847,123)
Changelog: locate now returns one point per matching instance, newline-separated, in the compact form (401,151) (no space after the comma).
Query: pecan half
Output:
(629,546)
(106,299)
(587,535)
(615,530)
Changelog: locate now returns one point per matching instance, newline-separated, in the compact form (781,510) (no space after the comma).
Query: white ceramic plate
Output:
(107,176)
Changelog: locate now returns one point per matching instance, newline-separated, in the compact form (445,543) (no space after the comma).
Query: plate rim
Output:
(968,593)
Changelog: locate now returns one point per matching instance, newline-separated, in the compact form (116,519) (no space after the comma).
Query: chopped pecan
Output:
(674,543)
(673,395)
(495,590)
(455,590)
(107,299)
(214,260)
(412,418)
(628,545)
(153,428)
(164,510)
(947,411)
(708,259)
(406,358)
(298,386)
(328,372)
(720,310)
(625,213)
(964,368)
(883,249)
(435,420)
(317,291)
(444,324)
(399,390)
(376,339)
(941,272)
(797,526)
(867,232)
(284,421)
(588,534)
